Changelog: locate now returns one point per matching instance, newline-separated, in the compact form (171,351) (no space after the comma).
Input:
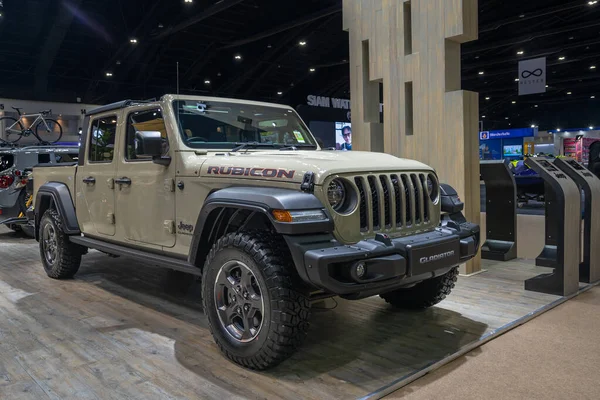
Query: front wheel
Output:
(425,294)
(13,129)
(256,306)
(49,131)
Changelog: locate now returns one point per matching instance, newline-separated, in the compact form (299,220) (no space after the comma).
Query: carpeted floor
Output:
(554,356)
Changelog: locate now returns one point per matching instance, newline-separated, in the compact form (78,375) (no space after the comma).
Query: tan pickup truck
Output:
(241,194)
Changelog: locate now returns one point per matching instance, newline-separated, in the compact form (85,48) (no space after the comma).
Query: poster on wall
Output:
(343,136)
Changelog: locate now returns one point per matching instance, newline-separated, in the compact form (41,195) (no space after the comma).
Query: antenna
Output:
(177,78)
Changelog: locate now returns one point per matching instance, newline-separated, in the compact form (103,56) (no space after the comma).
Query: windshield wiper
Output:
(295,147)
(242,146)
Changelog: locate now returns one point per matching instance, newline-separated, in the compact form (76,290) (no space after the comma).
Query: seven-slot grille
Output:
(392,202)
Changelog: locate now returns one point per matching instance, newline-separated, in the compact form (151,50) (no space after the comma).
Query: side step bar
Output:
(154,260)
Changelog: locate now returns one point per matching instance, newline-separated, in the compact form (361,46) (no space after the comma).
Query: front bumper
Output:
(387,263)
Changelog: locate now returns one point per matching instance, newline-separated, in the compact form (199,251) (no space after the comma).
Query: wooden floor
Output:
(122,331)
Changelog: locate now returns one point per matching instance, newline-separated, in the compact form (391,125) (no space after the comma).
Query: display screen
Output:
(513,151)
(343,136)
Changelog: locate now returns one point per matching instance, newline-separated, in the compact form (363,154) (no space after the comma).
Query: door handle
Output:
(123,181)
(90,180)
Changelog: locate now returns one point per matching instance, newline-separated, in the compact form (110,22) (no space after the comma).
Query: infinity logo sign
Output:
(526,74)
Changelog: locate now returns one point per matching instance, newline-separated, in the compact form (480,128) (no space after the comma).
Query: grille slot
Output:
(387,212)
(375,202)
(418,188)
(398,191)
(426,198)
(364,224)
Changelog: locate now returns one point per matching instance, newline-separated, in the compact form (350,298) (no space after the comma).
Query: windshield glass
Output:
(222,125)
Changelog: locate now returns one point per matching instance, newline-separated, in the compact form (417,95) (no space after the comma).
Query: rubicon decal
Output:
(437,257)
(258,172)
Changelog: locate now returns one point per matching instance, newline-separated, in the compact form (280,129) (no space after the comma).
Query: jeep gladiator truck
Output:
(241,194)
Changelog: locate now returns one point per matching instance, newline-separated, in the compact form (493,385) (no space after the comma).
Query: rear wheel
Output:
(13,129)
(49,131)
(256,306)
(60,257)
(425,294)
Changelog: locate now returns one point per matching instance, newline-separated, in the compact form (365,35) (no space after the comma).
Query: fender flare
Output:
(263,201)
(57,194)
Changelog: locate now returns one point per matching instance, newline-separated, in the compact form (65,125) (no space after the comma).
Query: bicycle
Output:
(15,130)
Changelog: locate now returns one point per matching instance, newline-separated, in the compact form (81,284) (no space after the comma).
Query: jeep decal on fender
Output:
(258,172)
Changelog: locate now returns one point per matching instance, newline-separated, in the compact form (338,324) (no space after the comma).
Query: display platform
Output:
(120,330)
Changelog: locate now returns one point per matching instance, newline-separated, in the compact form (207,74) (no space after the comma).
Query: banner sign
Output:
(507,133)
(532,76)
(331,102)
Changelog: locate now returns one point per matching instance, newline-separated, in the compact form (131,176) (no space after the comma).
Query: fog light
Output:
(360,270)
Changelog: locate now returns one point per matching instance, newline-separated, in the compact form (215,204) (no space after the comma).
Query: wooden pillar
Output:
(413,48)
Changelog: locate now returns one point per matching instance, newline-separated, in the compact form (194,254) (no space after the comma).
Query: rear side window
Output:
(6,161)
(66,158)
(102,139)
(43,158)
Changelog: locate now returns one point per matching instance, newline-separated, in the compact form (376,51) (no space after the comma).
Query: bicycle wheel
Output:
(49,131)
(13,129)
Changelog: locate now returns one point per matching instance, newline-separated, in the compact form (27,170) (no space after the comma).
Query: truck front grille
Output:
(393,202)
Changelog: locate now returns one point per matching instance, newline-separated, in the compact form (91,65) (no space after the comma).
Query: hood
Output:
(291,166)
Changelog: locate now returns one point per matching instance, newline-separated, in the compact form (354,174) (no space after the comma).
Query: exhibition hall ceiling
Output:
(104,50)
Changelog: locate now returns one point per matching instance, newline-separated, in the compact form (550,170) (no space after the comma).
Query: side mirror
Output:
(150,144)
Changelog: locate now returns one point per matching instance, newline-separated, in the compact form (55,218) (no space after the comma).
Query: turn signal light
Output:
(283,216)
(299,216)
(6,181)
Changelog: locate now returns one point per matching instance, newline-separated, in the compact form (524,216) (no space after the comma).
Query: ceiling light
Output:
(533,126)
(238,57)
(481,72)
(302,43)
(520,52)
(557,129)
(312,70)
(483,116)
(188,1)
(569,92)
(561,58)
(207,82)
(547,86)
(536,106)
(279,93)
(516,79)
(134,41)
(505,117)
(487,98)
(591,127)
(591,3)
(592,97)
(109,74)
(514,102)
(593,67)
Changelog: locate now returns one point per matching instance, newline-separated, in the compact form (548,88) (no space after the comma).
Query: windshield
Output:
(222,125)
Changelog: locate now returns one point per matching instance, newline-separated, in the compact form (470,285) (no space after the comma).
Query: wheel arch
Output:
(56,195)
(247,208)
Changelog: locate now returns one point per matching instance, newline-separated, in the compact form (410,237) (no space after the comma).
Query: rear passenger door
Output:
(95,177)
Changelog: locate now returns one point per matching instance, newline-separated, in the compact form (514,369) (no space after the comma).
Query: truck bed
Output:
(64,173)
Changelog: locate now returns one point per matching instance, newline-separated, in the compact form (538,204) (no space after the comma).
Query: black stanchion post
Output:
(563,231)
(589,269)
(500,211)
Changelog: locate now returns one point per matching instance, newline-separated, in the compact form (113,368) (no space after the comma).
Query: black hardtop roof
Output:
(116,106)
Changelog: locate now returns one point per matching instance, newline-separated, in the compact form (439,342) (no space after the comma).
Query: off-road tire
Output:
(425,294)
(286,302)
(68,255)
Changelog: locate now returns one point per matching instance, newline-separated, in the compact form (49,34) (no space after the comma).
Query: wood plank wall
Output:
(413,48)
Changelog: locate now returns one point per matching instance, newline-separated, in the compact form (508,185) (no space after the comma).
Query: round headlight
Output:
(432,187)
(336,194)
